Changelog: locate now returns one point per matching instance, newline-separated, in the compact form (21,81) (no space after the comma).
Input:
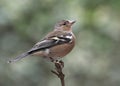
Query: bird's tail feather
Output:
(19,57)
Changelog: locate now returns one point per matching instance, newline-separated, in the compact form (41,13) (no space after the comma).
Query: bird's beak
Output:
(72,22)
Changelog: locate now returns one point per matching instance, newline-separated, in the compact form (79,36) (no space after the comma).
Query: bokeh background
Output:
(95,60)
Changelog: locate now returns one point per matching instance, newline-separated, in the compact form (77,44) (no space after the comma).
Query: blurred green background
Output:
(95,60)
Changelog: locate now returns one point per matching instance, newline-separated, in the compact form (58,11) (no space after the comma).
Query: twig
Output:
(58,71)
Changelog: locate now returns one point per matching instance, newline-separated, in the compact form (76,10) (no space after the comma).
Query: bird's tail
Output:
(19,57)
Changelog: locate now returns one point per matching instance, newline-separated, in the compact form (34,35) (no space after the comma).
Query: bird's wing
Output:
(50,42)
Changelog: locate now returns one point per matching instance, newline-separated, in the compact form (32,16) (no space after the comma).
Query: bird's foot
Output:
(58,68)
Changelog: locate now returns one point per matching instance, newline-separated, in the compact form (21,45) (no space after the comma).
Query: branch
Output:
(58,71)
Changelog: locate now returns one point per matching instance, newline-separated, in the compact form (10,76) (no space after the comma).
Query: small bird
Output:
(55,44)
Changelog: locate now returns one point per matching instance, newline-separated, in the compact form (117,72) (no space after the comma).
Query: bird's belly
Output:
(60,50)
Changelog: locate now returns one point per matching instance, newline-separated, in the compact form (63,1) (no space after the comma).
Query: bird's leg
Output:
(57,61)
(51,59)
(62,63)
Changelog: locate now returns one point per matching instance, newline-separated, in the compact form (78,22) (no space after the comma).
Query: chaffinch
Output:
(55,44)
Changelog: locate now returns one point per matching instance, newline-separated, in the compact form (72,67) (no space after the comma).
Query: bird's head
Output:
(64,25)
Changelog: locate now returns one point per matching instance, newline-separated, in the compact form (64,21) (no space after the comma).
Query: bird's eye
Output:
(65,23)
